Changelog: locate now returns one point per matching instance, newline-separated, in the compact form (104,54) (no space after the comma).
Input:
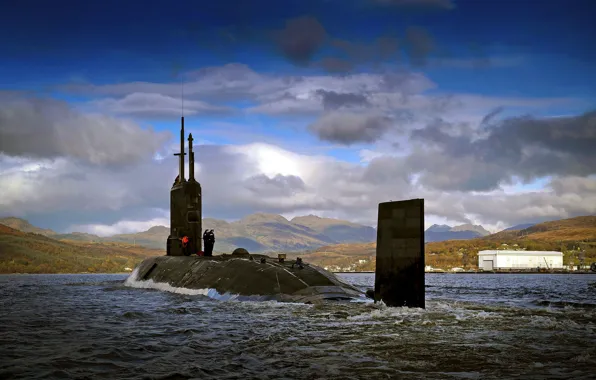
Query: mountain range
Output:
(262,232)
(566,235)
(442,232)
(29,249)
(256,232)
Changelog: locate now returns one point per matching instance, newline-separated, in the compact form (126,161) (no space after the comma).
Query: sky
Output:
(486,109)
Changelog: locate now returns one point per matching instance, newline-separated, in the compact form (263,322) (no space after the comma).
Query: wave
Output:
(564,304)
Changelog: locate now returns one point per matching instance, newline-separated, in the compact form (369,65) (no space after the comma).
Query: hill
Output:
(567,235)
(519,227)
(23,252)
(573,229)
(26,252)
(25,226)
(444,232)
(257,233)
(338,230)
(262,232)
(155,237)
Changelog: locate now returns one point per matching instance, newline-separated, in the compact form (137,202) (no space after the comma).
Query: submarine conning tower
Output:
(185,206)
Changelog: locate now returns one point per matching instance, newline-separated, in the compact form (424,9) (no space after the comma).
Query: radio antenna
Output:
(182,96)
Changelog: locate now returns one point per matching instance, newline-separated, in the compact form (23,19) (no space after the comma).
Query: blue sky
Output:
(456,61)
(114,41)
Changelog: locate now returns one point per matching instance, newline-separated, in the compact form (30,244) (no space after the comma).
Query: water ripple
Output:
(474,327)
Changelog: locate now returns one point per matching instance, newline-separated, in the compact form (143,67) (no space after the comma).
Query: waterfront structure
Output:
(511,259)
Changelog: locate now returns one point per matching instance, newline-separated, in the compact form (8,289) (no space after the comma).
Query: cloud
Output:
(527,147)
(210,91)
(305,42)
(349,128)
(432,4)
(239,180)
(301,38)
(574,185)
(335,100)
(481,61)
(228,82)
(279,185)
(122,226)
(558,202)
(46,128)
(157,105)
(420,45)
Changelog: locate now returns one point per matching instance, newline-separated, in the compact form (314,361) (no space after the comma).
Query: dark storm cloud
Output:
(525,147)
(349,128)
(46,128)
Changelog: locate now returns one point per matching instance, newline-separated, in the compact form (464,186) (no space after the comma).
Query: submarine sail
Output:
(185,206)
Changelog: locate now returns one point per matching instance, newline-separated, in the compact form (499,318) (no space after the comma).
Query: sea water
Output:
(474,327)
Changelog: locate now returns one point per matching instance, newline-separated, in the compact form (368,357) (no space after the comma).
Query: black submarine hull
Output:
(229,277)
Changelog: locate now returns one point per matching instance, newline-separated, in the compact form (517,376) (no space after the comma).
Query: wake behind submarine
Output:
(240,275)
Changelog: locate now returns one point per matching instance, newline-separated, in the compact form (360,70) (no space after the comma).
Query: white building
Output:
(504,259)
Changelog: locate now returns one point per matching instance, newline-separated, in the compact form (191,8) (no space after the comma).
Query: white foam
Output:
(132,282)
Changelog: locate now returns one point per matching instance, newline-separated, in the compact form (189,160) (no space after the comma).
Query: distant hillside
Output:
(268,232)
(155,237)
(572,229)
(25,226)
(519,227)
(338,230)
(22,252)
(257,232)
(567,235)
(77,236)
(471,227)
(462,232)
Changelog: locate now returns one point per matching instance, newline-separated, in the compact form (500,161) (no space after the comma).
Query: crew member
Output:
(205,242)
(185,245)
(209,242)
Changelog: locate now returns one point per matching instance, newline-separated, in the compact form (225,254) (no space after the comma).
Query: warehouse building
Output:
(503,259)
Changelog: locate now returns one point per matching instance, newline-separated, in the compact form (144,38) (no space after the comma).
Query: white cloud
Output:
(150,104)
(47,128)
(121,227)
(295,184)
(209,90)
(82,182)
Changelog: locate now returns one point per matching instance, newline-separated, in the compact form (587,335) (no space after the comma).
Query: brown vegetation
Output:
(22,252)
(570,236)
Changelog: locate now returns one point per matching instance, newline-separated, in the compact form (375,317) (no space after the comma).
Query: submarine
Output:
(239,275)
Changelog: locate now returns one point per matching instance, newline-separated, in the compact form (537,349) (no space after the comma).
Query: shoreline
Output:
(367,272)
(500,272)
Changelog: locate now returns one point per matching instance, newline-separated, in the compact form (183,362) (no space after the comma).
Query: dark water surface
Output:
(474,327)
